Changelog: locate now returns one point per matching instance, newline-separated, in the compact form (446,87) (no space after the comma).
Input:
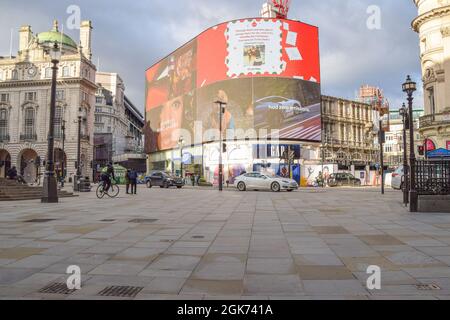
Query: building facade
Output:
(433,27)
(25,85)
(118,125)
(348,132)
(394,147)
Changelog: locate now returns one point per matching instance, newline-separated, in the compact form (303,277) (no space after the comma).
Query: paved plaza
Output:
(202,244)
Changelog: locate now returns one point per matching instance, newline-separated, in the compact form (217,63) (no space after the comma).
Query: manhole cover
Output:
(124,292)
(143,220)
(40,220)
(428,287)
(57,288)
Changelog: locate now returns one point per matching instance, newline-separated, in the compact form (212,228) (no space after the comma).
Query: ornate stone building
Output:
(25,82)
(348,132)
(118,125)
(433,26)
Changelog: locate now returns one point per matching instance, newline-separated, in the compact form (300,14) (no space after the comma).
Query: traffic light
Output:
(421,150)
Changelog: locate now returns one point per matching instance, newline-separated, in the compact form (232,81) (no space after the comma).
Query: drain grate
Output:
(107,220)
(198,237)
(123,292)
(40,220)
(143,220)
(57,288)
(428,287)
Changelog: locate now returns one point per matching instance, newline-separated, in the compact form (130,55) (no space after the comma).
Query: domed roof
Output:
(55,36)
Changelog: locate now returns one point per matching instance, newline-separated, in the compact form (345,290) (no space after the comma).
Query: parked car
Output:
(273,111)
(258,181)
(163,180)
(343,179)
(398,178)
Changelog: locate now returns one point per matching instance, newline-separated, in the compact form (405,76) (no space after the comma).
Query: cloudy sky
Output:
(129,36)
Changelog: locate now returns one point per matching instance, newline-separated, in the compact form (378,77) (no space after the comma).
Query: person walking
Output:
(127,180)
(133,181)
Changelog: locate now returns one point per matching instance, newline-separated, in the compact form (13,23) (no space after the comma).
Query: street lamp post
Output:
(63,174)
(78,175)
(181,143)
(409,87)
(222,106)
(404,113)
(381,138)
(50,192)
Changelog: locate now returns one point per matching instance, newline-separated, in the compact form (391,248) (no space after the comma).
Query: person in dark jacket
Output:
(127,180)
(12,173)
(133,176)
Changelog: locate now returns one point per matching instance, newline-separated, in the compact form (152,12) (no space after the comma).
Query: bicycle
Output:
(113,191)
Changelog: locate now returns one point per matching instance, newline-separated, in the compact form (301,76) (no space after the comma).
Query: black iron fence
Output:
(432,177)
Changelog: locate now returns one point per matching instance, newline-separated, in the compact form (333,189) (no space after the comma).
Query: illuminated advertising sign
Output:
(266,70)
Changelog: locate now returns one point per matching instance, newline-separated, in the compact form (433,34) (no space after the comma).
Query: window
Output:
(29,122)
(99,100)
(84,96)
(60,95)
(3,124)
(4,97)
(30,96)
(57,122)
(98,119)
(14,75)
(48,72)
(1,75)
(66,72)
(431,100)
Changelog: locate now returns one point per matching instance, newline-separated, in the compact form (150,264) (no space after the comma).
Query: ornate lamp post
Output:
(405,118)
(50,193)
(78,175)
(222,106)
(409,87)
(63,165)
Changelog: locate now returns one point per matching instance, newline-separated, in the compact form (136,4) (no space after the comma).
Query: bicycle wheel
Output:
(113,191)
(100,192)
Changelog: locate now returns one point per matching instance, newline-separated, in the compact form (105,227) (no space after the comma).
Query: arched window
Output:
(48,72)
(57,122)
(14,75)
(29,123)
(3,124)
(66,72)
(1,75)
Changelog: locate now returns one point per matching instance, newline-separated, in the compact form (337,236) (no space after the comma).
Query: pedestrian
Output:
(127,180)
(133,181)
(12,173)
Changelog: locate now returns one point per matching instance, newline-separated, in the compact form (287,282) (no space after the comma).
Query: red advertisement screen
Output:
(267,70)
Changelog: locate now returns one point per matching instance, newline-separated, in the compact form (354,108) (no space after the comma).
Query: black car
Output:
(343,179)
(163,180)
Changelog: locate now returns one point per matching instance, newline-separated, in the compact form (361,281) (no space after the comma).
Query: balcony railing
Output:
(28,137)
(435,119)
(4,138)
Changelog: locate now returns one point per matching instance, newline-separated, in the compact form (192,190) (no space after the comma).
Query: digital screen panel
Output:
(266,70)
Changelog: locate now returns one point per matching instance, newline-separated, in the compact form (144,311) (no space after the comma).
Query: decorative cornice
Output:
(438,12)
(45,83)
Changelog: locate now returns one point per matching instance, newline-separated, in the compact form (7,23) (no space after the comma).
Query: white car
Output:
(258,181)
(398,178)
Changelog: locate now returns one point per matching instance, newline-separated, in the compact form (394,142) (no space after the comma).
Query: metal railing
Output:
(432,177)
(28,137)
(434,119)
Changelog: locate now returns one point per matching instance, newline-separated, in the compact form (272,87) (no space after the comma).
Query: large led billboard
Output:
(266,70)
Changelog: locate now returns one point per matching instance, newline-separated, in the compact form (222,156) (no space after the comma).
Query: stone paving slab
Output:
(201,244)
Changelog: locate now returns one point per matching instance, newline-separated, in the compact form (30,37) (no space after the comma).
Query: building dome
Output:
(55,36)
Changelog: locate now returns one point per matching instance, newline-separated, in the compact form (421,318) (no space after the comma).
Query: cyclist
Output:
(107,174)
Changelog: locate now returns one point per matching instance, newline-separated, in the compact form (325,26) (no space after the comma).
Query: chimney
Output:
(25,36)
(85,38)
